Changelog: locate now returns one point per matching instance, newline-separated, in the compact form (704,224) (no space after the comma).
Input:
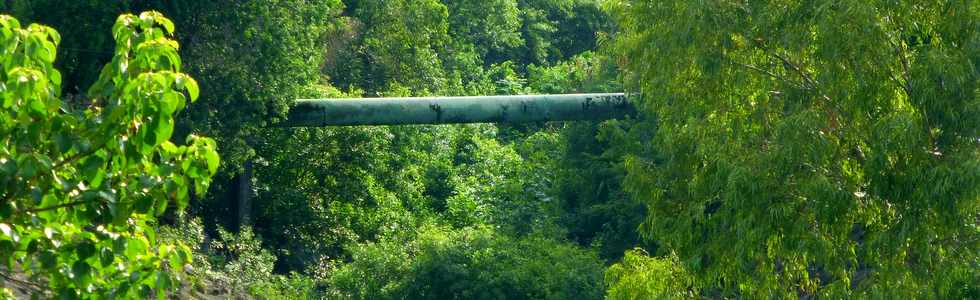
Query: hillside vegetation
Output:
(781,149)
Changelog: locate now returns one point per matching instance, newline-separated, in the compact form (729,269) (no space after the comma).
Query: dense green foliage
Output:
(321,193)
(469,263)
(84,185)
(639,276)
(784,149)
(809,147)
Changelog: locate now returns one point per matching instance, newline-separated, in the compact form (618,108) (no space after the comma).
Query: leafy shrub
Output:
(640,276)
(233,264)
(468,263)
(240,258)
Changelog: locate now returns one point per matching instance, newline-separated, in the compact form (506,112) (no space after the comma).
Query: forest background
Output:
(789,149)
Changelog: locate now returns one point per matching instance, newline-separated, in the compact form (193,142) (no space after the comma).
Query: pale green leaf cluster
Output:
(639,276)
(82,187)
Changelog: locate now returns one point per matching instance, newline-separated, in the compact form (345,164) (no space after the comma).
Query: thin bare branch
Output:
(768,73)
(63,205)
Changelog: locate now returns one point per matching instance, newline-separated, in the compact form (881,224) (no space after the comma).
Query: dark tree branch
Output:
(16,193)
(903,59)
(31,285)
(807,78)
(768,73)
(63,205)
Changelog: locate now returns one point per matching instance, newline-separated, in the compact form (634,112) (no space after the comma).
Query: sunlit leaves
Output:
(639,276)
(807,148)
(472,263)
(82,188)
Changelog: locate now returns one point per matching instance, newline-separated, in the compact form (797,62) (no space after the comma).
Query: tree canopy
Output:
(783,149)
(809,148)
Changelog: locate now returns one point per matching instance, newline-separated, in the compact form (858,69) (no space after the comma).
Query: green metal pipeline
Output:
(456,110)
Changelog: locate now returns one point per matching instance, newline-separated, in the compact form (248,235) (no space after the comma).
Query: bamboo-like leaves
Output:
(805,148)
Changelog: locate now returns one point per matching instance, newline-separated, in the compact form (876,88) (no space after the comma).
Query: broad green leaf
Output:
(166,23)
(106,257)
(143,204)
(212,160)
(48,201)
(81,272)
(55,77)
(161,205)
(37,106)
(85,250)
(48,259)
(169,103)
(53,34)
(135,248)
(49,54)
(165,127)
(192,88)
(91,166)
